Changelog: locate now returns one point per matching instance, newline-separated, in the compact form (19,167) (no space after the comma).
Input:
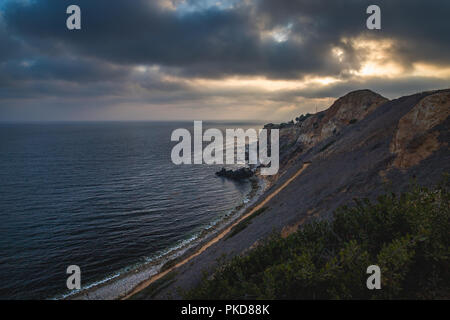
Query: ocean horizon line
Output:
(225,121)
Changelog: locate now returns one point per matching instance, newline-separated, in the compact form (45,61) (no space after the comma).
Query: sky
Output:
(213,60)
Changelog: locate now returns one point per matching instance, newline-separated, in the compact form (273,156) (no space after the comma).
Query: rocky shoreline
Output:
(238,174)
(353,149)
(120,285)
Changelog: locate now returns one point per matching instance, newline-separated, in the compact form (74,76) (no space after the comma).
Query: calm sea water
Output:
(104,196)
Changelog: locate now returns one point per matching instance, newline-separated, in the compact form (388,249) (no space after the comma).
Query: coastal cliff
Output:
(361,147)
(298,137)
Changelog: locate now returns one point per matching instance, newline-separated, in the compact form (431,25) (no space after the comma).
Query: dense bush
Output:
(407,236)
(303,117)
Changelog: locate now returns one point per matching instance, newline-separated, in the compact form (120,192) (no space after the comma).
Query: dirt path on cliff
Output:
(218,237)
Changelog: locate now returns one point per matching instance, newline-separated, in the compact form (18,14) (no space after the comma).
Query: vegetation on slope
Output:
(407,236)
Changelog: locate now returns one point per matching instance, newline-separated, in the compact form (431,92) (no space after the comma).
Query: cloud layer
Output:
(249,59)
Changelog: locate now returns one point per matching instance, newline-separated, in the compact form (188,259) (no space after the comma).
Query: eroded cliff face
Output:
(344,111)
(412,138)
(297,138)
(415,138)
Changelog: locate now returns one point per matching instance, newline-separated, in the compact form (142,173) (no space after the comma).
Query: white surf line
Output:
(160,275)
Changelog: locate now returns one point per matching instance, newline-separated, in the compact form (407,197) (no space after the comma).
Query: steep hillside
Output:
(361,147)
(417,136)
(405,236)
(311,129)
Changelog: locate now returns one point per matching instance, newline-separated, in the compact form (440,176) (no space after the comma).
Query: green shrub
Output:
(407,236)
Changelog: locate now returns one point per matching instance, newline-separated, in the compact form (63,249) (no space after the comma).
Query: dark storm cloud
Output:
(216,42)
(391,88)
(420,27)
(210,43)
(40,58)
(136,32)
(62,68)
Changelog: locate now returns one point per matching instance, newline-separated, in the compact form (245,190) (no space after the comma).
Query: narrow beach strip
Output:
(160,275)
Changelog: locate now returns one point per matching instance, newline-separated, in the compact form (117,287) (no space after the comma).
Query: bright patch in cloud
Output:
(376,57)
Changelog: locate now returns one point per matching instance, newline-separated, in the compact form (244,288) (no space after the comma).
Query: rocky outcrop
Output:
(238,174)
(345,111)
(415,138)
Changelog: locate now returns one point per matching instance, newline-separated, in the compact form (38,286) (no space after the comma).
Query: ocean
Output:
(101,195)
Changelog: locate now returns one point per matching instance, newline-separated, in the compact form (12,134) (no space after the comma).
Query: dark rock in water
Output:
(239,174)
